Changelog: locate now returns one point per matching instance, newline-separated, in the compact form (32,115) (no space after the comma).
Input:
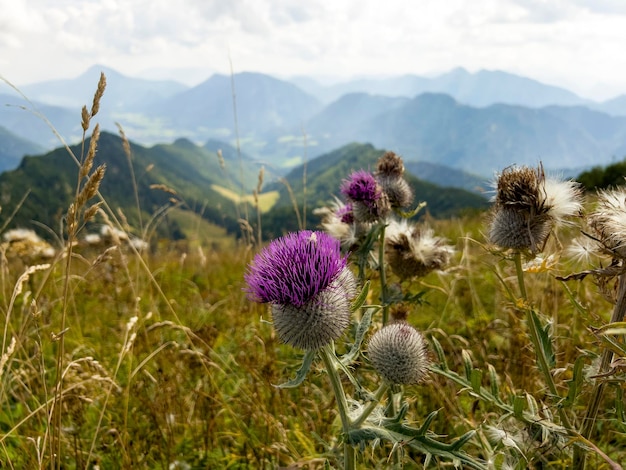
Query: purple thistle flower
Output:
(306,279)
(361,186)
(369,202)
(345,213)
(294,268)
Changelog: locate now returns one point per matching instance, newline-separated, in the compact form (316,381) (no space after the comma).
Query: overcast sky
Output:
(577,44)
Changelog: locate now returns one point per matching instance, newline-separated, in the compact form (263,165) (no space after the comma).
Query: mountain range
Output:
(196,179)
(473,122)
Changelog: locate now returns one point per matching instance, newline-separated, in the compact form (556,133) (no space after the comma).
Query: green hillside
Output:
(601,177)
(185,168)
(323,179)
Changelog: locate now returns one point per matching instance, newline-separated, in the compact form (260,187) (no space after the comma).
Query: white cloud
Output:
(573,41)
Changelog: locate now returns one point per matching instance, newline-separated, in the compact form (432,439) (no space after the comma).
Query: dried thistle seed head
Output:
(528,206)
(390,171)
(390,165)
(520,187)
(398,191)
(514,229)
(367,213)
(399,353)
(608,221)
(414,251)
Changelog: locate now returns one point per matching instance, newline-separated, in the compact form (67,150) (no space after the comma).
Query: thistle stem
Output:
(535,338)
(383,275)
(589,421)
(371,406)
(328,357)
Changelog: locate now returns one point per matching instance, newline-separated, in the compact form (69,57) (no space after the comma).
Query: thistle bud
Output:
(399,354)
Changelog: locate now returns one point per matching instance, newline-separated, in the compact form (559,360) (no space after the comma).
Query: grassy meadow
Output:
(114,357)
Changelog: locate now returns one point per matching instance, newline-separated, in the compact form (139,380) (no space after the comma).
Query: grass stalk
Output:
(591,413)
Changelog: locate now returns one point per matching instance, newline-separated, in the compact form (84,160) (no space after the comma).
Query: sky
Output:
(576,44)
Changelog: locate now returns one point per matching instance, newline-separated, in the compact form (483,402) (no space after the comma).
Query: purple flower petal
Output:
(294,268)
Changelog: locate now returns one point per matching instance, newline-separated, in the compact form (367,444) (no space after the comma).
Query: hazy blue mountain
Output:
(402,86)
(282,126)
(351,110)
(446,176)
(123,93)
(480,89)
(435,128)
(13,148)
(26,119)
(264,104)
(480,140)
(614,107)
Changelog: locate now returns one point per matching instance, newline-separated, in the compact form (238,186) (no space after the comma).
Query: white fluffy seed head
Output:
(608,221)
(414,251)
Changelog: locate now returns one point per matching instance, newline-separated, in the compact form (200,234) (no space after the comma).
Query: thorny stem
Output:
(327,354)
(536,340)
(383,275)
(371,406)
(598,389)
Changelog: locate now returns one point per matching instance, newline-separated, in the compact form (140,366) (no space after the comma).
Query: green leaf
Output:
(494,382)
(362,328)
(427,422)
(544,339)
(307,360)
(574,385)
(519,404)
(441,357)
(358,302)
(476,378)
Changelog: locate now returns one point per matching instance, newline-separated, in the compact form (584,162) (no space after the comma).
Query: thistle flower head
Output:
(399,354)
(414,251)
(369,202)
(345,213)
(361,186)
(306,279)
(608,221)
(528,206)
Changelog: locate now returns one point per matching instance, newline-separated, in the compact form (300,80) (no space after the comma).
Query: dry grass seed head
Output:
(85,118)
(85,168)
(91,186)
(102,83)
